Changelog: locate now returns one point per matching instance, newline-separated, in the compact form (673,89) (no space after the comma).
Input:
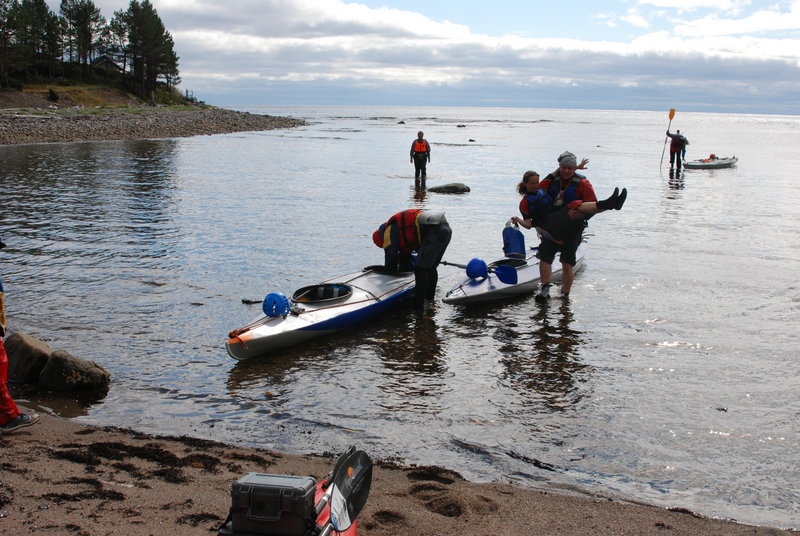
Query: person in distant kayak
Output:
(677,148)
(11,419)
(564,187)
(424,231)
(420,156)
(537,209)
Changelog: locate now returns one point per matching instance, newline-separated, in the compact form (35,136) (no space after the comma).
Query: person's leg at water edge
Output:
(8,409)
(443,234)
(11,419)
(568,258)
(435,240)
(546,253)
(567,277)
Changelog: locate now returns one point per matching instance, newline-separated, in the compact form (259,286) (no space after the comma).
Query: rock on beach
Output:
(52,126)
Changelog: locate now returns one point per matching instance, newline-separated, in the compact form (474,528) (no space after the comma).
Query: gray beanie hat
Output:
(567,159)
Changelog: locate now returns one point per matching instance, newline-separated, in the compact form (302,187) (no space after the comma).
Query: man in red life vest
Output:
(420,156)
(564,187)
(426,232)
(10,417)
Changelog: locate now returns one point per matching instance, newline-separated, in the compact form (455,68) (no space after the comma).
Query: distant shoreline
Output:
(20,126)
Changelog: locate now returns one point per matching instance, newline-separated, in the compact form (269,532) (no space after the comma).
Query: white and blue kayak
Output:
(497,285)
(712,162)
(319,309)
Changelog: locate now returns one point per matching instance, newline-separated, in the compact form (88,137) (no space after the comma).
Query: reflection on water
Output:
(542,360)
(676,180)
(420,195)
(414,365)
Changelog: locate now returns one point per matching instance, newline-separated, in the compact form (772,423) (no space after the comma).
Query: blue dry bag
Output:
(513,243)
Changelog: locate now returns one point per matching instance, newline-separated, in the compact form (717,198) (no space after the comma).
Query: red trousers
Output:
(8,409)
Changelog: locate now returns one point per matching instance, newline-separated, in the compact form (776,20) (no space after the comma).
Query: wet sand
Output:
(62,477)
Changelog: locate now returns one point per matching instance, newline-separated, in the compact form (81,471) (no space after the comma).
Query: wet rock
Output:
(31,361)
(451,188)
(27,357)
(65,372)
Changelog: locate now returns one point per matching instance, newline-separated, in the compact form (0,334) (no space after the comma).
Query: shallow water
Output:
(669,377)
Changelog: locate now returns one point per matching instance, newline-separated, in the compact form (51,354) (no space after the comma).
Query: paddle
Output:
(506,274)
(666,138)
(349,492)
(332,476)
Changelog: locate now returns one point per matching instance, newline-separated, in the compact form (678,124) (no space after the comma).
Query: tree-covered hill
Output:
(133,51)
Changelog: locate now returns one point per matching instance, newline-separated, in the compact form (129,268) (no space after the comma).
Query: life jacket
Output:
(679,141)
(420,146)
(532,204)
(401,231)
(554,189)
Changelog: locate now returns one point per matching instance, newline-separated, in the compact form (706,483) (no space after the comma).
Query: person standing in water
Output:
(420,156)
(677,148)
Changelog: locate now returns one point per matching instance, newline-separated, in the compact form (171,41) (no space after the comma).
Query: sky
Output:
(715,56)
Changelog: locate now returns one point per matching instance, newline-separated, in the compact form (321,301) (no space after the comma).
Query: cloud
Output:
(635,19)
(760,22)
(268,47)
(681,5)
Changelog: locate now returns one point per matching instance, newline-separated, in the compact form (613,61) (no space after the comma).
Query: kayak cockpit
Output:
(323,293)
(508,261)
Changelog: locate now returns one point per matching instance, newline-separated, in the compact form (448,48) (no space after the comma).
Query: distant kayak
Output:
(713,162)
(471,290)
(318,310)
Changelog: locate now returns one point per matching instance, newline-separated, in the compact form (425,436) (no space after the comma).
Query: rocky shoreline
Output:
(53,126)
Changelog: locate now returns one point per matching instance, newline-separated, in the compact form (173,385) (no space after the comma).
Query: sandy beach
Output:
(62,477)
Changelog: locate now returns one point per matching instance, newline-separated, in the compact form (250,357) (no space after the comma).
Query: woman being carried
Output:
(541,211)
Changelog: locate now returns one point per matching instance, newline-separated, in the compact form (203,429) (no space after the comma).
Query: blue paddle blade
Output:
(506,274)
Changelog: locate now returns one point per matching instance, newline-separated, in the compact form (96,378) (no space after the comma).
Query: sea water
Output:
(669,377)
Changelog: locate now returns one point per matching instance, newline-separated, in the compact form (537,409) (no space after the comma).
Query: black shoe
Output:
(621,199)
(20,422)
(544,293)
(611,202)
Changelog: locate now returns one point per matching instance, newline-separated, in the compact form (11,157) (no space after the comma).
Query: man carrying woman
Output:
(558,207)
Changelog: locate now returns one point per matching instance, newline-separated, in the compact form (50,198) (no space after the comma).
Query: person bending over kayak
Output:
(566,191)
(537,210)
(424,231)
